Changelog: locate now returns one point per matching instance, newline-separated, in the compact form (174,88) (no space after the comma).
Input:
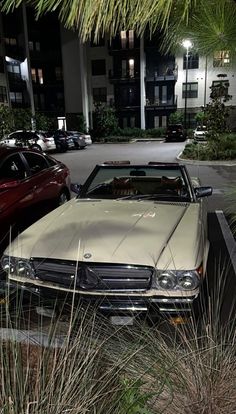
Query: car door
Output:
(44,177)
(18,194)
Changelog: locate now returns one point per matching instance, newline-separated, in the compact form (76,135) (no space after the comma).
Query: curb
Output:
(210,163)
(228,237)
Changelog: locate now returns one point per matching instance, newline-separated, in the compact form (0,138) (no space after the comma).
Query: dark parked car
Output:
(63,140)
(79,141)
(31,184)
(175,132)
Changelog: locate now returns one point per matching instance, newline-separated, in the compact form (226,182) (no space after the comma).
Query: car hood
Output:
(165,235)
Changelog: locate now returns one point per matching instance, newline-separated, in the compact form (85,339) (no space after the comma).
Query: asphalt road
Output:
(81,163)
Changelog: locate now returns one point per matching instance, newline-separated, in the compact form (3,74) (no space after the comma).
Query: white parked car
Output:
(200,133)
(86,137)
(29,139)
(134,240)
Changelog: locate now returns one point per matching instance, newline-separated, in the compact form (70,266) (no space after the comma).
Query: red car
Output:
(31,185)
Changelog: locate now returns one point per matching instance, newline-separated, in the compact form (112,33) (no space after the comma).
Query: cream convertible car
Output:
(134,239)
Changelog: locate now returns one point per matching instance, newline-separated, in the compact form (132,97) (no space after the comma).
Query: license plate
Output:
(122,320)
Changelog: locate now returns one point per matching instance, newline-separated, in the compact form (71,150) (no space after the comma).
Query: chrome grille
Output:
(93,276)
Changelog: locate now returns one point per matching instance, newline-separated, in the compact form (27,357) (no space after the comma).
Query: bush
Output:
(105,121)
(222,147)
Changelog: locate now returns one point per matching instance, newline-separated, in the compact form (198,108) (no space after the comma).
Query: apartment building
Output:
(32,52)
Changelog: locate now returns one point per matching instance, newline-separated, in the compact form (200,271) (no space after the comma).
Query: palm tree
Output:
(209,23)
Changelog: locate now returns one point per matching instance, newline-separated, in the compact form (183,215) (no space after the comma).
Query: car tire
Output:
(36,147)
(64,196)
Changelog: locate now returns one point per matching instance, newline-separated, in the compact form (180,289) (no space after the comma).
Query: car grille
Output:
(93,276)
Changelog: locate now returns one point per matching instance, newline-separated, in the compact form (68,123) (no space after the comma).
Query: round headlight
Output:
(188,281)
(24,269)
(8,264)
(167,281)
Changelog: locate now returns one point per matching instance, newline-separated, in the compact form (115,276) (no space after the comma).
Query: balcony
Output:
(157,103)
(166,74)
(124,76)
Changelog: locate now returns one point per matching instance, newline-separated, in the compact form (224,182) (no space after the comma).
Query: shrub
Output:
(105,121)
(176,117)
(222,147)
(155,132)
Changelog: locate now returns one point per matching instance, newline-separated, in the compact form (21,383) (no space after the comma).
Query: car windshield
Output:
(137,182)
(201,128)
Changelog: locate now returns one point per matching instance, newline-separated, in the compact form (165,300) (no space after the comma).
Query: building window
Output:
(99,94)
(3,94)
(156,121)
(125,122)
(221,59)
(131,39)
(164,121)
(132,122)
(98,67)
(34,46)
(164,94)
(123,39)
(16,97)
(40,76)
(220,88)
(58,73)
(37,46)
(192,90)
(131,68)
(193,61)
(10,41)
(33,75)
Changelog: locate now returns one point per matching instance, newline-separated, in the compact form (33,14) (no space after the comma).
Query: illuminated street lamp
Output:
(187,44)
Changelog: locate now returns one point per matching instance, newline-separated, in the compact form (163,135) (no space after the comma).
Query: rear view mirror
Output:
(76,188)
(203,191)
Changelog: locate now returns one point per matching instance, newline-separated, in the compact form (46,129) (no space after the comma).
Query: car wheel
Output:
(36,147)
(63,197)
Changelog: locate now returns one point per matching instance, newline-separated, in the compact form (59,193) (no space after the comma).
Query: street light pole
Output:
(187,45)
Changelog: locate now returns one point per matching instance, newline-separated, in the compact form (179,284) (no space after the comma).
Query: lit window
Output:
(33,74)
(156,121)
(10,41)
(40,76)
(131,68)
(221,58)
(131,39)
(123,39)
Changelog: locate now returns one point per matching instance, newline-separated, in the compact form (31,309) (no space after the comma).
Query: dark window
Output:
(192,90)
(100,94)
(36,162)
(1,64)
(220,88)
(13,168)
(193,61)
(16,97)
(58,73)
(3,94)
(98,67)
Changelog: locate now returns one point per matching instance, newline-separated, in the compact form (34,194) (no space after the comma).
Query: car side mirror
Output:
(203,191)
(76,188)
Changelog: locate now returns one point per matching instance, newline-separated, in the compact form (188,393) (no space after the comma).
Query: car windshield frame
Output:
(116,173)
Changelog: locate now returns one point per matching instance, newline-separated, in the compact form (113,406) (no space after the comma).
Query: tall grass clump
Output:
(102,369)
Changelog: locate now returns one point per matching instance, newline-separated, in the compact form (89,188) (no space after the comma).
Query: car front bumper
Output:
(115,303)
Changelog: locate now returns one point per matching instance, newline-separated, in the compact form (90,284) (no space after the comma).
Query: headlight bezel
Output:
(18,266)
(180,276)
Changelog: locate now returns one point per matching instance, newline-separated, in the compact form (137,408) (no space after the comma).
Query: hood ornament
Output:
(87,255)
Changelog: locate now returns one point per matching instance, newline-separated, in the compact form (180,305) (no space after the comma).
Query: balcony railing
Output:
(166,74)
(124,75)
(157,102)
